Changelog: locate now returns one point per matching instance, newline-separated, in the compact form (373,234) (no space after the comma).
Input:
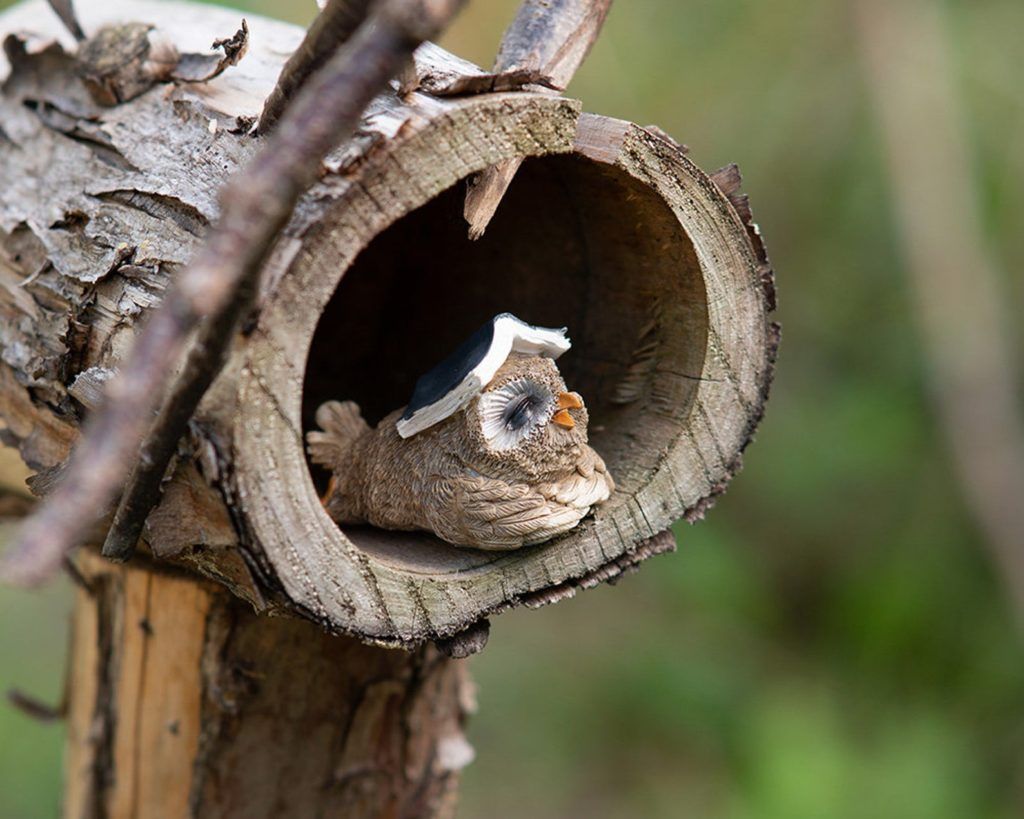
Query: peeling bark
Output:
(216,289)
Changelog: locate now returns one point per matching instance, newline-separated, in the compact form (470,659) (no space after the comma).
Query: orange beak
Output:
(566,402)
(563,419)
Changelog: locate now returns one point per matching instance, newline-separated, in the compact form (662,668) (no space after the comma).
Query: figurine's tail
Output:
(340,425)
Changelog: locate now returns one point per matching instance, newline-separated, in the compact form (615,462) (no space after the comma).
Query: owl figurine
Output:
(491,452)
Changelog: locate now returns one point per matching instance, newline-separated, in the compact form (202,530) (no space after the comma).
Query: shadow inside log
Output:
(575,243)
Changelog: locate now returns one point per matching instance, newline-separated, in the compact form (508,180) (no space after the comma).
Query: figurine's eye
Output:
(511,412)
(520,411)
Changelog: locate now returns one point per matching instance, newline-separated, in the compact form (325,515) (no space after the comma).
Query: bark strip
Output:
(552,38)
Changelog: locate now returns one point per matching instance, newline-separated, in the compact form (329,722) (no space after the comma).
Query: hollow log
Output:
(611,230)
(608,228)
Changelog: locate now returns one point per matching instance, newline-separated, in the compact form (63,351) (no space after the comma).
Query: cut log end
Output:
(623,240)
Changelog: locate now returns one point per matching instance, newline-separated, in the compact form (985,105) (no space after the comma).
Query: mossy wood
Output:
(608,228)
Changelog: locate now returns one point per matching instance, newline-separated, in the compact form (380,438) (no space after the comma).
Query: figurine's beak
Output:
(566,402)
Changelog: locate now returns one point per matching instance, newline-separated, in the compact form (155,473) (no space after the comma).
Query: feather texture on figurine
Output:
(491,452)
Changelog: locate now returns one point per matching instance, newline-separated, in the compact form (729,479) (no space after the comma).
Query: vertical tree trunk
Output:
(185,703)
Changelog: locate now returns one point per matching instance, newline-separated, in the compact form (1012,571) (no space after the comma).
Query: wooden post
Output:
(185,703)
(243,663)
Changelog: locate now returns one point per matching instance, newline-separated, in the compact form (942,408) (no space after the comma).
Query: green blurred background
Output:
(834,640)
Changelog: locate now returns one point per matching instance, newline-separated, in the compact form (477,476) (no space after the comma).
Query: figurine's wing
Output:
(490,514)
(588,485)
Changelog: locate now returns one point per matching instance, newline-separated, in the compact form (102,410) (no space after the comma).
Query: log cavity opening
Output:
(574,243)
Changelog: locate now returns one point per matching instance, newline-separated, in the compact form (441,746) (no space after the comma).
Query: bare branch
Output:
(255,205)
(552,37)
(333,27)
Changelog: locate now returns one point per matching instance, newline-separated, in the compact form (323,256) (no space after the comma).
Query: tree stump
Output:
(608,228)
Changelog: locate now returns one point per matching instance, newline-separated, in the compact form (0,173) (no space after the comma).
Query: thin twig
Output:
(255,206)
(65,10)
(75,575)
(954,282)
(333,27)
(553,39)
(35,708)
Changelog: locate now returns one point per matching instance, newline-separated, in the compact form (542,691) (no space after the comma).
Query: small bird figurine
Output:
(491,452)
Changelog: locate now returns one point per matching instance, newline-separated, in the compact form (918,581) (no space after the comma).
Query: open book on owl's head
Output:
(457,380)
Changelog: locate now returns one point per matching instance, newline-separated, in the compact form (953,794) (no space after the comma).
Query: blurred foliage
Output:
(832,641)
